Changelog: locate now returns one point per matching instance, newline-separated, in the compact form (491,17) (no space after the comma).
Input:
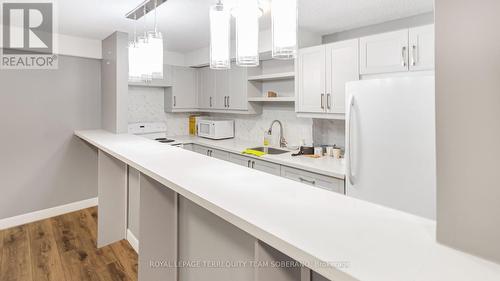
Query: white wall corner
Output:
(47,213)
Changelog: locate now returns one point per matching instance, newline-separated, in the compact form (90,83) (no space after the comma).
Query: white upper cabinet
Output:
(224,90)
(421,40)
(342,62)
(399,51)
(183,93)
(384,53)
(311,74)
(322,73)
(206,88)
(221,88)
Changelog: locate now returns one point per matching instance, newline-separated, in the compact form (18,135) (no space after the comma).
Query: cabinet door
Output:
(383,53)
(184,88)
(240,160)
(342,66)
(238,85)
(329,183)
(266,167)
(311,80)
(201,150)
(221,88)
(206,88)
(422,48)
(219,154)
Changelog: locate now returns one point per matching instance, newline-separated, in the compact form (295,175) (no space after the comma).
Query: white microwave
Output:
(216,129)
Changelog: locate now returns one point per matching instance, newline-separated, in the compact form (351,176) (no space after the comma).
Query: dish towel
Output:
(253,152)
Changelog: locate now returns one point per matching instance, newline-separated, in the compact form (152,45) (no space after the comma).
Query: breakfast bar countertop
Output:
(313,226)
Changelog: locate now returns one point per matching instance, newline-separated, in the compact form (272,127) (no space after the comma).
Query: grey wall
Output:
(418,20)
(42,164)
(115,82)
(468,125)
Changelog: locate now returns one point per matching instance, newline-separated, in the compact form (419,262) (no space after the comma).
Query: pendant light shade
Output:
(284,28)
(247,15)
(145,54)
(155,55)
(220,22)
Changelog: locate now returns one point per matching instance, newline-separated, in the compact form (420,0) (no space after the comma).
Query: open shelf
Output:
(273,77)
(266,99)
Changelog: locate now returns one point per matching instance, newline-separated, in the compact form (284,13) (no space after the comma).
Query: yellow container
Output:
(192,125)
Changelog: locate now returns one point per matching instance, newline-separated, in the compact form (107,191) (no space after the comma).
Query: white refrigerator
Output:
(390,143)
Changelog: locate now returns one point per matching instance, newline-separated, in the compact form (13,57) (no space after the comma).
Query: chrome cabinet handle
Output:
(328,101)
(322,101)
(313,182)
(175,101)
(248,164)
(403,54)
(228,104)
(253,164)
(349,167)
(210,101)
(413,55)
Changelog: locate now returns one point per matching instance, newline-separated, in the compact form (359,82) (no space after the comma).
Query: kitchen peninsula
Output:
(268,217)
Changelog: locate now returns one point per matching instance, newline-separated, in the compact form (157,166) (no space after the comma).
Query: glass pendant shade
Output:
(284,28)
(155,55)
(134,71)
(247,15)
(220,22)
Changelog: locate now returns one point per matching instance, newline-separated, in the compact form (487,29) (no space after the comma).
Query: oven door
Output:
(205,129)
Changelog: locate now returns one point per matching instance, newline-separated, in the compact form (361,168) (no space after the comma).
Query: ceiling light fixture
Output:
(247,15)
(146,51)
(284,28)
(220,41)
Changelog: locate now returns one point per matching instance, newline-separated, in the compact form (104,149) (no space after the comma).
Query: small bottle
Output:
(267,138)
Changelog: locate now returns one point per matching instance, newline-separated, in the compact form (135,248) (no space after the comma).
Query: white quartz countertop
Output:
(314,226)
(325,165)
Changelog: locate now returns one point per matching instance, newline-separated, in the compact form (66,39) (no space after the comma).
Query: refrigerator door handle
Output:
(351,174)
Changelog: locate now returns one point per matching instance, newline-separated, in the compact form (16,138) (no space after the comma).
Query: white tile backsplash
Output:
(329,132)
(146,104)
(252,127)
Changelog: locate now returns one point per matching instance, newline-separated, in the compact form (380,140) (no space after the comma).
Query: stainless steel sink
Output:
(270,150)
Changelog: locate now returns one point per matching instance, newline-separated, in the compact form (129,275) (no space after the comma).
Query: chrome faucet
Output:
(283,142)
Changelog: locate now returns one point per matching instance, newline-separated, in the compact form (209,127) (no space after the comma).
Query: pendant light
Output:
(134,71)
(284,28)
(146,52)
(247,15)
(155,42)
(220,22)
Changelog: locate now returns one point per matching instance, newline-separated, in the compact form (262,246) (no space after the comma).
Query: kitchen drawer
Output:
(325,182)
(267,167)
(256,164)
(219,154)
(188,146)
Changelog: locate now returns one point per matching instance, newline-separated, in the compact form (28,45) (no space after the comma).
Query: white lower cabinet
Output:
(256,164)
(313,179)
(215,153)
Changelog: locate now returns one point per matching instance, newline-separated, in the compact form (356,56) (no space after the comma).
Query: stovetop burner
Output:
(166,141)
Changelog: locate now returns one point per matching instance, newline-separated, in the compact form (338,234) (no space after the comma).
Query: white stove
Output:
(154,131)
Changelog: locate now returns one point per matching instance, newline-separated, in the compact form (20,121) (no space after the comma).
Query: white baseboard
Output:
(133,241)
(47,213)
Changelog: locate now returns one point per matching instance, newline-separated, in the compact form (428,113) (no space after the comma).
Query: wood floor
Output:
(63,248)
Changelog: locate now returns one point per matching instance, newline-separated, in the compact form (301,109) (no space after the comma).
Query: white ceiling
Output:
(184,23)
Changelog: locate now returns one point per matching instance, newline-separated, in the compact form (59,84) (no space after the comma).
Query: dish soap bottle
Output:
(267,140)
